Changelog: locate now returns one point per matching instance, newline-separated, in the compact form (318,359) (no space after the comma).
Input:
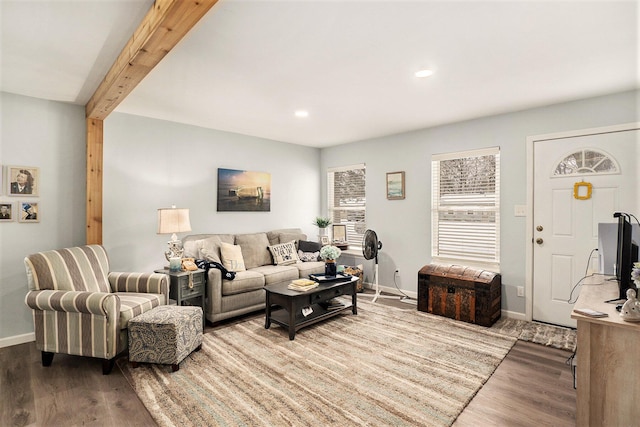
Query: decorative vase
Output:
(330,268)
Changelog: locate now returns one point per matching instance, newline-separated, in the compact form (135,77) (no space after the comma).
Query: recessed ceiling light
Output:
(302,113)
(424,73)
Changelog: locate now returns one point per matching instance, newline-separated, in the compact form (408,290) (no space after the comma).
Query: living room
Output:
(152,163)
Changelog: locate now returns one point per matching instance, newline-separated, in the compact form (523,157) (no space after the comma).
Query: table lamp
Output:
(171,221)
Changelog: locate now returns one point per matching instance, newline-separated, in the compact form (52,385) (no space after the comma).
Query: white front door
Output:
(566,217)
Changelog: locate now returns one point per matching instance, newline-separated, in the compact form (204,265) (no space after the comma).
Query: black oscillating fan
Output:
(370,247)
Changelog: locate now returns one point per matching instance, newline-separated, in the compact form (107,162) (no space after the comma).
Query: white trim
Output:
(490,151)
(390,290)
(17,339)
(531,140)
(347,168)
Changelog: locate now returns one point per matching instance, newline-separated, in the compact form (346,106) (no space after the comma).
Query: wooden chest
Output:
(462,293)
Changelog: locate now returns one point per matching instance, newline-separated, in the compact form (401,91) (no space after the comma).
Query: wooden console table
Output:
(608,371)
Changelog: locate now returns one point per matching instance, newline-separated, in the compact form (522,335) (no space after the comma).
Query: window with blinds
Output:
(465,208)
(347,200)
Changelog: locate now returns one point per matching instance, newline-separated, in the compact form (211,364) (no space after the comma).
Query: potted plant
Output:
(330,254)
(322,223)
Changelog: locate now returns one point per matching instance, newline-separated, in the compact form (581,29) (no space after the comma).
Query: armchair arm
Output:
(152,283)
(99,303)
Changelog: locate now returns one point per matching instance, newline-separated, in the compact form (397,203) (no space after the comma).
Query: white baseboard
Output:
(17,339)
(391,290)
(513,315)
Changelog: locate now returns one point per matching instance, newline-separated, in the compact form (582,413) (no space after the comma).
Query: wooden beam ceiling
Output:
(161,29)
(166,23)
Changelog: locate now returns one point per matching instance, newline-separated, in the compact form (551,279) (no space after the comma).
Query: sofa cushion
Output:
(232,257)
(287,237)
(193,243)
(254,249)
(307,268)
(274,235)
(209,249)
(278,273)
(284,253)
(245,281)
(133,304)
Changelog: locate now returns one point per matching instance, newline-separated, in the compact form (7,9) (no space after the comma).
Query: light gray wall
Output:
(404,225)
(50,136)
(150,164)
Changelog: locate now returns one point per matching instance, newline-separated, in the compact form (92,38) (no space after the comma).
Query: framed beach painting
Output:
(23,180)
(243,191)
(395,185)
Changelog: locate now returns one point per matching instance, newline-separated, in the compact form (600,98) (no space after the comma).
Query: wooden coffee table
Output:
(291,303)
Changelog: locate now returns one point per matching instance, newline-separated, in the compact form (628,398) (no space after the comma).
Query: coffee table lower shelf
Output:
(287,307)
(281,316)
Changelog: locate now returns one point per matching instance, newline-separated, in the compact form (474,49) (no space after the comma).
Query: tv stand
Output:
(607,366)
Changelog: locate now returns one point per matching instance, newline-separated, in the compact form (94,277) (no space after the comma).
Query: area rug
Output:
(384,366)
(539,333)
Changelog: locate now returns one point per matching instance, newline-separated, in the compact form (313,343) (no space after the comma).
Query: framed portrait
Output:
(325,240)
(23,180)
(395,185)
(6,212)
(339,233)
(28,212)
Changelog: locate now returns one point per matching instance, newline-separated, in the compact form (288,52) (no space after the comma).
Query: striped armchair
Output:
(81,308)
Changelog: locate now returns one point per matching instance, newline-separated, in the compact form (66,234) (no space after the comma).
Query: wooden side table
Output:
(185,286)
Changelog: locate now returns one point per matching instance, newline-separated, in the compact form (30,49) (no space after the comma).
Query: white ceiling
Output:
(250,64)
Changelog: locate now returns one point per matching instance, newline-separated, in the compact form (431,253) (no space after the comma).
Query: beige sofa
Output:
(245,293)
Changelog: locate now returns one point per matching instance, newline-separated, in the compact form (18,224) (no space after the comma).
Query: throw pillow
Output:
(308,256)
(232,257)
(284,253)
(254,249)
(309,248)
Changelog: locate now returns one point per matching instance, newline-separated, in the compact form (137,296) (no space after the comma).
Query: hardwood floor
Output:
(533,386)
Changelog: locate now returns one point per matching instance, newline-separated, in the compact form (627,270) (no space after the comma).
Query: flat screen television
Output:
(627,254)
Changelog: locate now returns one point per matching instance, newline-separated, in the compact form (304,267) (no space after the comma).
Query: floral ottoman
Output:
(167,334)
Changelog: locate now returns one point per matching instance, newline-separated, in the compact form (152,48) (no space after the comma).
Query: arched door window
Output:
(586,161)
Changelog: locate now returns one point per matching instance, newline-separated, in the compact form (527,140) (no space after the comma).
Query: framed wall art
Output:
(28,212)
(6,212)
(243,191)
(395,185)
(23,180)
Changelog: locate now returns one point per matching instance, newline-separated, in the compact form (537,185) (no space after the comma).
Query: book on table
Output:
(302,284)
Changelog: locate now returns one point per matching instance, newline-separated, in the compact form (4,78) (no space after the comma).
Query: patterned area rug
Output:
(385,366)
(539,333)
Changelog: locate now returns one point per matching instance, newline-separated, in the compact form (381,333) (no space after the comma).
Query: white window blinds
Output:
(465,208)
(347,200)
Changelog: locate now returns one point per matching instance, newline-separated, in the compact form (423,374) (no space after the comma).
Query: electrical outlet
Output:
(520,291)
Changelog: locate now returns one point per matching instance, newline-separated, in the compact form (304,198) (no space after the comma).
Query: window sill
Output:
(490,266)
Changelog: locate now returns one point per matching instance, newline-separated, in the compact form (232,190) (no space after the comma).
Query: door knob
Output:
(539,240)
(539,228)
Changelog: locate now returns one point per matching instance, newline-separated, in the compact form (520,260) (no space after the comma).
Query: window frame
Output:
(438,253)
(354,238)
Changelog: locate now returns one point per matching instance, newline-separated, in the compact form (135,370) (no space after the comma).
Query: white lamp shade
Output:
(173,220)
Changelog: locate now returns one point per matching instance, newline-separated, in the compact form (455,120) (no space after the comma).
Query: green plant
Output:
(322,222)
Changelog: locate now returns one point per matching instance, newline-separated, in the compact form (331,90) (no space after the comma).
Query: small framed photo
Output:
(339,233)
(29,212)
(325,240)
(6,212)
(23,180)
(395,185)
